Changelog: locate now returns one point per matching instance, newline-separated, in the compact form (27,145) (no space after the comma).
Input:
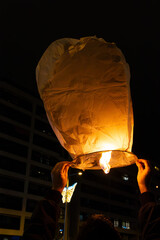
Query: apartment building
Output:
(29,150)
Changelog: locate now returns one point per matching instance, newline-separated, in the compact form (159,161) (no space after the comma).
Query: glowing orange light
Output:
(104,161)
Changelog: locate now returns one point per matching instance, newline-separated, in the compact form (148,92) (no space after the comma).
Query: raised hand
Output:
(143,175)
(59,175)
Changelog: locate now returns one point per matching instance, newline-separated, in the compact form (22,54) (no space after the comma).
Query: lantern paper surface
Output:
(84,85)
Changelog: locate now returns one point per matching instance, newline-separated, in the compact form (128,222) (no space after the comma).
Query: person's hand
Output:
(143,175)
(59,175)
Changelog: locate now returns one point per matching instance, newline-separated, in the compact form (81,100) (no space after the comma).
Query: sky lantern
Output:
(85,87)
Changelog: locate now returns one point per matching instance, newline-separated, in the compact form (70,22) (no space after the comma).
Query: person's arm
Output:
(149,213)
(45,217)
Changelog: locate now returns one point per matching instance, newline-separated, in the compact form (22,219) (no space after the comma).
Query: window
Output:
(31,204)
(84,216)
(125,224)
(60,231)
(14,131)
(13,147)
(97,177)
(116,223)
(40,173)
(62,213)
(44,158)
(123,211)
(11,183)
(27,223)
(124,186)
(89,203)
(133,225)
(37,189)
(15,115)
(12,165)
(46,143)
(44,128)
(10,202)
(7,237)
(94,191)
(40,111)
(14,98)
(10,222)
(122,198)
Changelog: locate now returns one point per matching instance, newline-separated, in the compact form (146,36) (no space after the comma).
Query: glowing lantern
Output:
(84,85)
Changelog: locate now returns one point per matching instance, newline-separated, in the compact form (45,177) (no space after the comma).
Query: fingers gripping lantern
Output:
(84,85)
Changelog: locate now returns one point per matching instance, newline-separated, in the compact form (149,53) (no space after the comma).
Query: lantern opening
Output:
(104,161)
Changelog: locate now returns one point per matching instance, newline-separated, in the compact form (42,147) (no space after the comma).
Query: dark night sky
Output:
(28,27)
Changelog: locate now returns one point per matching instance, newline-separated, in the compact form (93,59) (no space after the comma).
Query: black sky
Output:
(28,27)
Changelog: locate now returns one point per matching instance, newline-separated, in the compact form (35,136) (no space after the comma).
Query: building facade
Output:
(29,150)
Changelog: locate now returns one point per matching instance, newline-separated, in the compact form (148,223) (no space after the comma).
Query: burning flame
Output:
(104,161)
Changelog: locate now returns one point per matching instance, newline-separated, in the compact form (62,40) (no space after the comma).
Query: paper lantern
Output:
(84,85)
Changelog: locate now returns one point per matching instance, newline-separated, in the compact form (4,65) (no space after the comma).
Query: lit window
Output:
(116,223)
(127,225)
(124,225)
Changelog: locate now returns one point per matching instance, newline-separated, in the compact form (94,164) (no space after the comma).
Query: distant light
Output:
(126,225)
(80,173)
(157,186)
(116,223)
(125,177)
(156,168)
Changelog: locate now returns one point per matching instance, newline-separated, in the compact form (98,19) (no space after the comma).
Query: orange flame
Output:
(104,161)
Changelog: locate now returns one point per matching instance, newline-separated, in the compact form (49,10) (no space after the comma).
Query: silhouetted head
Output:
(98,227)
